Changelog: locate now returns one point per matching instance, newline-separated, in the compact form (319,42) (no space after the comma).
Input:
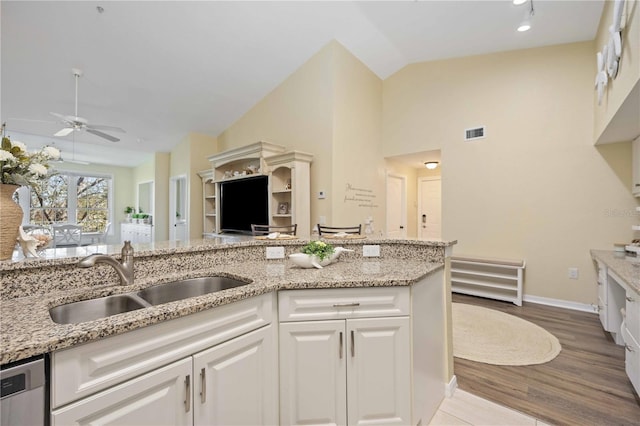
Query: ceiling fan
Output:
(75,123)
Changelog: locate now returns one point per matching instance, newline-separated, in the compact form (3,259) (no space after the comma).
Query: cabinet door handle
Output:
(345,305)
(353,344)
(628,348)
(630,299)
(340,347)
(203,386)
(187,393)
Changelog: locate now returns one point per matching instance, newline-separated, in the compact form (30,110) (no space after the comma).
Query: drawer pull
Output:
(341,346)
(628,348)
(346,305)
(353,345)
(203,386)
(630,299)
(187,393)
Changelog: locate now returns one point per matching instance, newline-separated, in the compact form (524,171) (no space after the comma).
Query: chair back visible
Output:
(67,235)
(102,237)
(322,229)
(258,230)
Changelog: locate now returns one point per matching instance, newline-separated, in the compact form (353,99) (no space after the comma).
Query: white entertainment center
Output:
(288,171)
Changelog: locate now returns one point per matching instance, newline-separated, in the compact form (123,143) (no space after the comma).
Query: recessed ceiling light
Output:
(519,2)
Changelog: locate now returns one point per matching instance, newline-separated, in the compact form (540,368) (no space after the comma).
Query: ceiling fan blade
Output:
(102,135)
(60,116)
(107,128)
(64,132)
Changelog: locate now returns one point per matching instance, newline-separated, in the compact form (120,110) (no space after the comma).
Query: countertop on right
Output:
(625,266)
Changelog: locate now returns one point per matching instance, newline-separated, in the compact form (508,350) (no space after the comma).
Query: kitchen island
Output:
(413,273)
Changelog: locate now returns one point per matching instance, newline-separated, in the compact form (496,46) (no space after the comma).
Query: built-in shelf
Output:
(492,278)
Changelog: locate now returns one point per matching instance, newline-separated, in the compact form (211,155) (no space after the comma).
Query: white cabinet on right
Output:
(345,356)
(635,185)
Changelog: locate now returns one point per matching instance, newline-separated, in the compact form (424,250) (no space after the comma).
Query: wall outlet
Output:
(573,273)
(370,250)
(322,220)
(275,252)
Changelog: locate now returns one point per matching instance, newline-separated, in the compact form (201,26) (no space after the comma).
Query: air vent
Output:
(474,133)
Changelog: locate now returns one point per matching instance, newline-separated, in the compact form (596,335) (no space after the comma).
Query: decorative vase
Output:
(10,220)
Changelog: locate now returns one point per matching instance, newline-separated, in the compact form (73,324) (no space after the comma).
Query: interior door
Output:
(178,209)
(429,208)
(396,206)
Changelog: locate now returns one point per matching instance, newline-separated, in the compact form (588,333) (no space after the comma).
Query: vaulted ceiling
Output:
(161,69)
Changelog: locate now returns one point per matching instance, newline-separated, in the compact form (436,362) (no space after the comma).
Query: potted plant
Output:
(128,211)
(316,254)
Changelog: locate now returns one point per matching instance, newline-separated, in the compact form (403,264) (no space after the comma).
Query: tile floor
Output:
(464,408)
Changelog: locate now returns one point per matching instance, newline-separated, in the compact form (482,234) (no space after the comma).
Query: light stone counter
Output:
(30,287)
(625,266)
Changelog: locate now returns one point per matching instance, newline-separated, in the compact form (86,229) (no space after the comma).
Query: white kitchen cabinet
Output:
(161,397)
(346,370)
(124,378)
(635,184)
(237,382)
(631,336)
(137,233)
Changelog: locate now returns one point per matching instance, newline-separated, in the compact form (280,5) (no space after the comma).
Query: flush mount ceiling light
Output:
(525,25)
(431,165)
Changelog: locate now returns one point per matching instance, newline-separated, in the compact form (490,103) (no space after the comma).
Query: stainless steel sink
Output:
(88,310)
(183,289)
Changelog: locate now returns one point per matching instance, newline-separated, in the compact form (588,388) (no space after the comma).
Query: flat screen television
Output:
(243,202)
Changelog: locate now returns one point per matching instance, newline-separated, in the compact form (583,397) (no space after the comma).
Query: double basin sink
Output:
(92,309)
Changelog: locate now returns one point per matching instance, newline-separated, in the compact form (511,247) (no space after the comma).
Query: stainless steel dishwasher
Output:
(23,393)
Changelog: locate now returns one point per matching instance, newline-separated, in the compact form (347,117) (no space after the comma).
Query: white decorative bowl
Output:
(307,261)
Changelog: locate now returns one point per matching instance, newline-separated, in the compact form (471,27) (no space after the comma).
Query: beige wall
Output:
(535,188)
(358,169)
(187,159)
(297,114)
(161,199)
(628,76)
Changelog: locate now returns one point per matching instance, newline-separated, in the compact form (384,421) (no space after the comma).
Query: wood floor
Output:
(585,385)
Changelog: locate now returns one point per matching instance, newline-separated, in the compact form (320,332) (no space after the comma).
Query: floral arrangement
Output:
(21,167)
(318,248)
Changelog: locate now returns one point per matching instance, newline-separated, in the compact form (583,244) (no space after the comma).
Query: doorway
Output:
(178,209)
(396,206)
(429,208)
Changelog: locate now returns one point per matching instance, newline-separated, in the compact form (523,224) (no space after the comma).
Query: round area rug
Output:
(493,337)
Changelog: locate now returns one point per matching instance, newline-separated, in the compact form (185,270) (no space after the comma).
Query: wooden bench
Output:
(500,279)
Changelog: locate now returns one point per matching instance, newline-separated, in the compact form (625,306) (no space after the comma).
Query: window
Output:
(70,197)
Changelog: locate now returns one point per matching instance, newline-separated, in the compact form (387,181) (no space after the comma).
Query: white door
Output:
(178,209)
(379,371)
(396,206)
(312,373)
(236,383)
(161,397)
(429,209)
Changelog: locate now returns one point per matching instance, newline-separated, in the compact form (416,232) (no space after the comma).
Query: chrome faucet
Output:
(124,268)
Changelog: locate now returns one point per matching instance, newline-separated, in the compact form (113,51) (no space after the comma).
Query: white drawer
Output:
(632,308)
(323,304)
(85,369)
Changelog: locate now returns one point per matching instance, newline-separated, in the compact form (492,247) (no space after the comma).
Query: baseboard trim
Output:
(566,304)
(450,388)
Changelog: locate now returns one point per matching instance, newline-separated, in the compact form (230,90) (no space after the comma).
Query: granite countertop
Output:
(27,329)
(625,266)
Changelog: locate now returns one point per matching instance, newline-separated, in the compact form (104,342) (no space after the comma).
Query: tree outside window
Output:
(68,197)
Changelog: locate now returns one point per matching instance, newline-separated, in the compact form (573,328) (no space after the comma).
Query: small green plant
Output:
(128,209)
(318,248)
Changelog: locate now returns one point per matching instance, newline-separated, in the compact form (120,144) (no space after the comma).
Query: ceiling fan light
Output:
(431,165)
(524,26)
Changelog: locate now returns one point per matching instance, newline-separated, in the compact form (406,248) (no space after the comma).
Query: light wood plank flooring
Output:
(585,385)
